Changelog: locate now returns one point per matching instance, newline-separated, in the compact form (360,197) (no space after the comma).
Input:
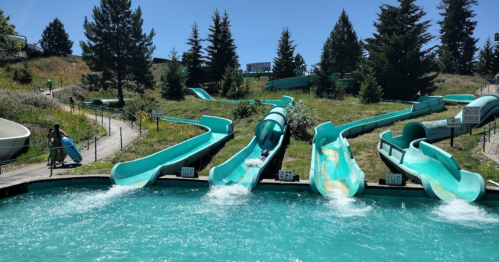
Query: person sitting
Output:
(264,155)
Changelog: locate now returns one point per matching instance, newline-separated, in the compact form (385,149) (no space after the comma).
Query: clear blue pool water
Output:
(123,223)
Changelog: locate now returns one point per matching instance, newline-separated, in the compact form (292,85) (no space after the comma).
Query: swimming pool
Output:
(230,223)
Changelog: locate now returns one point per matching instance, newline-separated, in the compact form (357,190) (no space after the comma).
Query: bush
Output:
(370,91)
(23,75)
(300,119)
(245,109)
(144,103)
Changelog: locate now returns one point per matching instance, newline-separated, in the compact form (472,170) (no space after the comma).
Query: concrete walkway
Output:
(106,147)
(490,89)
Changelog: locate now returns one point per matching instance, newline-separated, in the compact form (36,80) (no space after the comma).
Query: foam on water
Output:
(228,195)
(345,206)
(254,162)
(462,212)
(81,203)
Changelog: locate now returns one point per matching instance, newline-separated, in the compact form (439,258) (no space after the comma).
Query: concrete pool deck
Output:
(21,186)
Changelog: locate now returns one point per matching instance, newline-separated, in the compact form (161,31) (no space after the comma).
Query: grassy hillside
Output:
(65,69)
(457,84)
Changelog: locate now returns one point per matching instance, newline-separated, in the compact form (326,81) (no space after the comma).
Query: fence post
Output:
(121,140)
(140,126)
(51,164)
(88,139)
(495,118)
(132,124)
(102,118)
(109,126)
(95,149)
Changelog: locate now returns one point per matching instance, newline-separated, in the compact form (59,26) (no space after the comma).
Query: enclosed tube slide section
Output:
(333,167)
(12,138)
(239,169)
(143,172)
(199,93)
(437,170)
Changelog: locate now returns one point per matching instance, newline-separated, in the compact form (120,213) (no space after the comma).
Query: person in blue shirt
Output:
(264,155)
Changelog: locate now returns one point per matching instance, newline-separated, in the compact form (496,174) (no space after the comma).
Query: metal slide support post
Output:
(121,140)
(95,149)
(484,140)
(96,115)
(109,126)
(157,124)
(489,132)
(495,118)
(470,129)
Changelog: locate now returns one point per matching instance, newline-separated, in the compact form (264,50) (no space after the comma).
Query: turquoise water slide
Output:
(199,93)
(143,172)
(240,168)
(303,81)
(437,170)
(333,167)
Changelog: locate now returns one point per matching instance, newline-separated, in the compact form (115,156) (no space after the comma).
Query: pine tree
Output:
(345,47)
(8,46)
(232,84)
(194,59)
(55,40)
(284,65)
(457,52)
(221,52)
(300,62)
(370,91)
(322,79)
(485,62)
(396,55)
(495,60)
(172,76)
(117,47)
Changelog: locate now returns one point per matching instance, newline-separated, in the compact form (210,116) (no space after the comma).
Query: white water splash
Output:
(464,213)
(84,202)
(254,162)
(228,195)
(345,206)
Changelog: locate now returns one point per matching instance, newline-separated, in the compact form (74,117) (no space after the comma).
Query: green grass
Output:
(65,69)
(457,84)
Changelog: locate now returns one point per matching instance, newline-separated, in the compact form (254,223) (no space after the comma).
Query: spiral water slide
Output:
(143,172)
(437,170)
(12,138)
(333,167)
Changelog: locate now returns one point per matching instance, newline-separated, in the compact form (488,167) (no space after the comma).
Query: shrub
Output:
(244,109)
(23,75)
(144,103)
(300,119)
(90,81)
(370,91)
(173,78)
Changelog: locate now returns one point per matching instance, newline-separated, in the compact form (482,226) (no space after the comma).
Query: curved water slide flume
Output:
(12,138)
(438,171)
(333,167)
(144,171)
(269,134)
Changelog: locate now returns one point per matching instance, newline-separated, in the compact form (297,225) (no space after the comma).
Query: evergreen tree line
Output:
(397,62)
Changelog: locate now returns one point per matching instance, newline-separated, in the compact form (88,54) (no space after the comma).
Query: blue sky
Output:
(256,25)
